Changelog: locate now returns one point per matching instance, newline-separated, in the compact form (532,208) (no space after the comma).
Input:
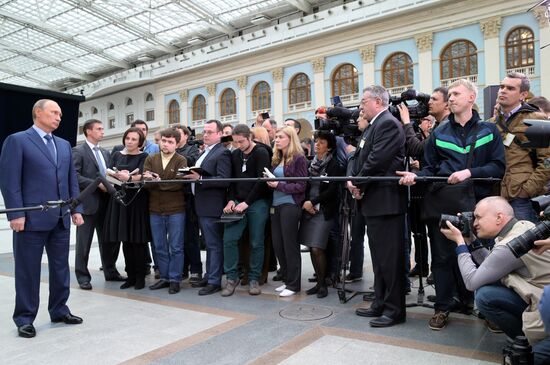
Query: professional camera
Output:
(417,104)
(193,139)
(526,241)
(464,222)
(342,121)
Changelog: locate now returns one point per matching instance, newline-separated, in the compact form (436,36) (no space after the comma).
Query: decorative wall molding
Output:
(211,89)
(277,74)
(318,64)
(424,41)
(540,15)
(368,52)
(491,27)
(242,81)
(184,95)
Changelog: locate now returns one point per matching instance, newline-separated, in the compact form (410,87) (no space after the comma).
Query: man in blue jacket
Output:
(38,167)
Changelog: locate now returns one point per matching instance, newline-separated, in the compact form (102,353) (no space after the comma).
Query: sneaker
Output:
(287,293)
(230,287)
(195,278)
(439,320)
(254,288)
(492,327)
(352,278)
(280,288)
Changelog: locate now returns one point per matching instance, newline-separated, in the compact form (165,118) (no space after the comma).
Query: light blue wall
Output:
(252,81)
(384,50)
(333,62)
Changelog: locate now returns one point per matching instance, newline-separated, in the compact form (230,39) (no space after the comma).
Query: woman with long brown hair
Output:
(288,161)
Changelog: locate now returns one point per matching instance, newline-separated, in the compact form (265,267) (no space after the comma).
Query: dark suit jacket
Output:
(87,171)
(30,177)
(210,198)
(382,154)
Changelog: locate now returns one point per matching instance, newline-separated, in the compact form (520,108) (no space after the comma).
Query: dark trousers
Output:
(447,277)
(386,240)
(84,236)
(357,245)
(28,247)
(284,232)
(135,259)
(191,250)
(212,231)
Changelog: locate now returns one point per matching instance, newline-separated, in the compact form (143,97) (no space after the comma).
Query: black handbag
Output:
(444,198)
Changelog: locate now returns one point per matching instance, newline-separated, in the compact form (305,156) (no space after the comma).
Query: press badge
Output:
(362,143)
(243,169)
(508,139)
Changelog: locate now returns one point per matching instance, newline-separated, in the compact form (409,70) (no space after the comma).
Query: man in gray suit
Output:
(90,160)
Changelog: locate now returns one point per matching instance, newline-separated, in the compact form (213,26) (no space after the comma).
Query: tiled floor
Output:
(153,327)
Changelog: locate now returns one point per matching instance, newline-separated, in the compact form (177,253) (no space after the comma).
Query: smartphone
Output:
(265,115)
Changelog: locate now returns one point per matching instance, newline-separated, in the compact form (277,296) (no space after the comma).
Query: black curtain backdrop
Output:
(16,104)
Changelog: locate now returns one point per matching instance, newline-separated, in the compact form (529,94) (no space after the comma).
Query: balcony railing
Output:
(350,99)
(447,82)
(299,106)
(528,71)
(396,91)
(198,123)
(228,118)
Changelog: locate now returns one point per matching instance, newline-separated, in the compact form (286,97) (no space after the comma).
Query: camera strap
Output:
(507,228)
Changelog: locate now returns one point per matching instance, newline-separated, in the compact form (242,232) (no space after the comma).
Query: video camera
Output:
(193,139)
(341,121)
(416,102)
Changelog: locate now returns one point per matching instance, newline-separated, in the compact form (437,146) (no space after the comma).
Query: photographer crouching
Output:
(507,288)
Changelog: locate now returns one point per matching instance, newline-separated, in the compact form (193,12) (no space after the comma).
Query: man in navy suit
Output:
(210,200)
(38,167)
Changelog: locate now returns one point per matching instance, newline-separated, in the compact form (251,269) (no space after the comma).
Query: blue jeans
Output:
(167,231)
(212,232)
(255,218)
(504,307)
(523,210)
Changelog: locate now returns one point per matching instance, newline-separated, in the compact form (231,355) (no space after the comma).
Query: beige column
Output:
(425,69)
(242,81)
(318,81)
(161,111)
(211,106)
(367,55)
(544,35)
(491,30)
(184,107)
(277,109)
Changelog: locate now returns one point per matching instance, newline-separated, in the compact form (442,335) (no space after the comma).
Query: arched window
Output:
(228,102)
(345,80)
(261,96)
(149,97)
(397,70)
(458,59)
(173,112)
(199,108)
(299,89)
(94,110)
(520,48)
(129,102)
(111,106)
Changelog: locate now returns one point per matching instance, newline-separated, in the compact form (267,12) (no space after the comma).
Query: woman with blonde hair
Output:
(288,161)
(259,134)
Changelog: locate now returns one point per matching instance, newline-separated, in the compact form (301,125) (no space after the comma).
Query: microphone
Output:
(90,189)
(118,195)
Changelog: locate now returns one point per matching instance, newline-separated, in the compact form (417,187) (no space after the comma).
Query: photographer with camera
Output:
(462,148)
(507,288)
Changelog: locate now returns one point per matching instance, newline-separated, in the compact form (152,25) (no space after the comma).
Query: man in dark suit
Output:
(90,160)
(37,167)
(381,152)
(210,200)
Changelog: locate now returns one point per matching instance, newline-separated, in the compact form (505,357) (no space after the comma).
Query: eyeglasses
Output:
(209,132)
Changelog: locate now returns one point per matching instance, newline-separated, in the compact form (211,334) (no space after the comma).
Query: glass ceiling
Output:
(58,44)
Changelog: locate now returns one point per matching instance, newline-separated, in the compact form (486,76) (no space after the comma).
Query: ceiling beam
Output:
(204,15)
(64,38)
(12,72)
(301,5)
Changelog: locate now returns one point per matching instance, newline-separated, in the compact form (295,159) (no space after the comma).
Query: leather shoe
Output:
(369,297)
(85,286)
(68,318)
(159,285)
(116,278)
(174,287)
(26,330)
(210,289)
(200,284)
(385,321)
(368,312)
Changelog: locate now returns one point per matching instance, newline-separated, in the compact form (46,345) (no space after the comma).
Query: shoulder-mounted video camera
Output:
(341,121)
(416,102)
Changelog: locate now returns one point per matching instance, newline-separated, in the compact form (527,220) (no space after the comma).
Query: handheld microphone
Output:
(90,189)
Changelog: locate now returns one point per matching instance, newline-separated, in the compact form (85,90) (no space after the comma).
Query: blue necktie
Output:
(99,161)
(51,148)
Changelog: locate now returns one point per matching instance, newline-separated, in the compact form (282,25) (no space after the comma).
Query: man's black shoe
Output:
(68,318)
(368,312)
(200,284)
(385,321)
(26,331)
(174,287)
(116,278)
(159,285)
(431,298)
(210,289)
(85,286)
(369,297)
